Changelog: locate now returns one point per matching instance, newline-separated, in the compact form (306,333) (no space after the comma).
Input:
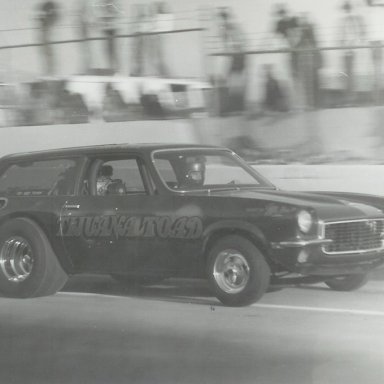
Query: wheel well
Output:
(60,256)
(219,234)
(4,220)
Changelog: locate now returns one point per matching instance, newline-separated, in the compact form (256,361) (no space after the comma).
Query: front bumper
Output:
(300,243)
(307,257)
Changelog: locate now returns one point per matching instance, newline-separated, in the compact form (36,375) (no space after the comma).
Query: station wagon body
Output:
(151,211)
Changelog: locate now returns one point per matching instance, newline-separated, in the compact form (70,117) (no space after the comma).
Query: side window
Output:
(217,171)
(39,178)
(119,177)
(167,172)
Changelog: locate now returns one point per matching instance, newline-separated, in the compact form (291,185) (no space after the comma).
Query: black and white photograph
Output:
(191,192)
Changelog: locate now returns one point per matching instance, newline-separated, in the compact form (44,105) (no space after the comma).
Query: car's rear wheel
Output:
(237,271)
(28,265)
(347,283)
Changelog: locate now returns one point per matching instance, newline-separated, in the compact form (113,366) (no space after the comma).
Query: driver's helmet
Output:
(194,174)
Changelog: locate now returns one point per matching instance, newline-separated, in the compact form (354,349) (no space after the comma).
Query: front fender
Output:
(234,226)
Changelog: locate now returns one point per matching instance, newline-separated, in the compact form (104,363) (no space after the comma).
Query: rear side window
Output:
(39,178)
(119,177)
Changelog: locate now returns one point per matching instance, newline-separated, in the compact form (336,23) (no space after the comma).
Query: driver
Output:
(104,179)
(194,172)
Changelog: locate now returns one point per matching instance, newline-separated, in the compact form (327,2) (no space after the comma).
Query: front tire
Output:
(347,283)
(28,265)
(237,271)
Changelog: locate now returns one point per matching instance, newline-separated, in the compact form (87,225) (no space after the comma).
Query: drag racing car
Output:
(142,213)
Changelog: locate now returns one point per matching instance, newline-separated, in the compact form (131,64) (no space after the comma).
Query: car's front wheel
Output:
(347,283)
(28,265)
(237,271)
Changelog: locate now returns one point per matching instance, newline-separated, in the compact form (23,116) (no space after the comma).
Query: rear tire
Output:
(237,271)
(28,265)
(347,283)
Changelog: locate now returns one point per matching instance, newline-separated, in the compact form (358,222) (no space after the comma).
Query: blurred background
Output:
(279,82)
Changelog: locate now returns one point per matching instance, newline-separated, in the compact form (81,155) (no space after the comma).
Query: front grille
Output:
(354,236)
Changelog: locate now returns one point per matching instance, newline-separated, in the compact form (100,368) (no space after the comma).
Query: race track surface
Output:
(96,331)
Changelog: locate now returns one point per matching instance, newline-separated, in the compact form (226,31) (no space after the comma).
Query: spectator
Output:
(47,16)
(227,27)
(237,79)
(152,107)
(287,27)
(64,106)
(68,107)
(108,13)
(139,42)
(374,15)
(232,91)
(114,107)
(353,33)
(8,101)
(162,22)
(35,108)
(86,21)
(275,98)
(79,110)
(309,62)
(377,60)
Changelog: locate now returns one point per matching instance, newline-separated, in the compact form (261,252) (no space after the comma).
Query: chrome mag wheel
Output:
(16,259)
(231,271)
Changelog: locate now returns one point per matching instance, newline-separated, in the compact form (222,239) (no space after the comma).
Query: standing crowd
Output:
(308,57)
(106,20)
(309,83)
(296,32)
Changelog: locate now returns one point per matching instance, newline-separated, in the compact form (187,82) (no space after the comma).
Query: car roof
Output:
(104,148)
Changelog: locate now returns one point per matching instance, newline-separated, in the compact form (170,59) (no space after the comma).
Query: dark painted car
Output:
(142,213)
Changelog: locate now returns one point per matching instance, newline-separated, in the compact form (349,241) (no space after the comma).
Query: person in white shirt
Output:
(353,33)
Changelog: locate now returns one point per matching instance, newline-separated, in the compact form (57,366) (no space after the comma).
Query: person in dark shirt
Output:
(310,60)
(227,26)
(285,24)
(287,27)
(108,13)
(47,16)
(275,99)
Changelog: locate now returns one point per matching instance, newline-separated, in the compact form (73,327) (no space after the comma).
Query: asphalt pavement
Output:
(95,331)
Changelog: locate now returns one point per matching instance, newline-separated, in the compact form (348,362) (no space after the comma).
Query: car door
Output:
(111,226)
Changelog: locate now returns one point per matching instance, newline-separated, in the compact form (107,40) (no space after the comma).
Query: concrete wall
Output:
(350,178)
(358,132)
(32,138)
(355,132)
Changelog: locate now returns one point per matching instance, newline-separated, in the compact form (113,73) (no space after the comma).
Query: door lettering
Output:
(132,226)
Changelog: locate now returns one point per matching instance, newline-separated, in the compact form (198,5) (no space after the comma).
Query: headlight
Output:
(305,221)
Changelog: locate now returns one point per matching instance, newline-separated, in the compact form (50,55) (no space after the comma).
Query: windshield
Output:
(205,169)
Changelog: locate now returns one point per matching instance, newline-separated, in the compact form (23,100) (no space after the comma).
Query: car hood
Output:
(328,205)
